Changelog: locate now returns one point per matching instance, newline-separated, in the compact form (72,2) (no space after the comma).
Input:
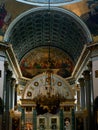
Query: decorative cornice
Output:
(3,46)
(13,61)
(81,62)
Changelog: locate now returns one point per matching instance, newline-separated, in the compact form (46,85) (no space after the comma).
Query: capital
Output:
(81,81)
(9,73)
(13,82)
(86,75)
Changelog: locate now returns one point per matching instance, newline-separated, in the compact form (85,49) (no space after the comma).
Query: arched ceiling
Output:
(41,27)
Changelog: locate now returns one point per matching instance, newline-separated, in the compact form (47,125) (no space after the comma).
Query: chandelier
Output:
(49,98)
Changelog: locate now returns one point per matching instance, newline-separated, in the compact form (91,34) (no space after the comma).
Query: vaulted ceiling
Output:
(40,26)
(44,27)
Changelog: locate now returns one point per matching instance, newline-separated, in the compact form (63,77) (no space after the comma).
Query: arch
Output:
(75,17)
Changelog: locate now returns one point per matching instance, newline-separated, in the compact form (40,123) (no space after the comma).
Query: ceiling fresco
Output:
(5,19)
(92,21)
(36,62)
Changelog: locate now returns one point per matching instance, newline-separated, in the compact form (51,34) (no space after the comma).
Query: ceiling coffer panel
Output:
(38,27)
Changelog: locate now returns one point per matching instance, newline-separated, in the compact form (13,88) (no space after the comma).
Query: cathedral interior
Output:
(48,65)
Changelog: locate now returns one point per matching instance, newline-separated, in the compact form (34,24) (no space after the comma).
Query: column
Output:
(34,119)
(15,95)
(4,88)
(13,84)
(91,95)
(8,96)
(4,96)
(61,119)
(73,119)
(78,97)
(82,93)
(86,75)
(23,119)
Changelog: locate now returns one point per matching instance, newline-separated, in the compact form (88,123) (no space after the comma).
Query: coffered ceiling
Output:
(37,27)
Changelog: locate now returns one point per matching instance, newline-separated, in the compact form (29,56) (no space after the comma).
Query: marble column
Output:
(34,119)
(73,118)
(8,96)
(91,95)
(4,88)
(82,93)
(4,96)
(86,75)
(23,119)
(61,119)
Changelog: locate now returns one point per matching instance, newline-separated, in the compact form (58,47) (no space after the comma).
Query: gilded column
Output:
(82,93)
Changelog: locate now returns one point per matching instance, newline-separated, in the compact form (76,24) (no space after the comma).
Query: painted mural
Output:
(5,18)
(37,62)
(92,21)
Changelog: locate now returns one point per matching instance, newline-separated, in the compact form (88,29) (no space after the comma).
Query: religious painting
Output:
(54,123)
(67,124)
(92,20)
(5,18)
(29,126)
(41,123)
(37,62)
